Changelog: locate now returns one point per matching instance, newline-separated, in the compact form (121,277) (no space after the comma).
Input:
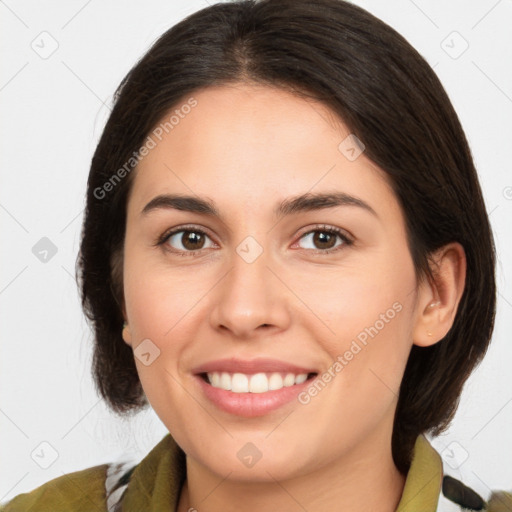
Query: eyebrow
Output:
(302,203)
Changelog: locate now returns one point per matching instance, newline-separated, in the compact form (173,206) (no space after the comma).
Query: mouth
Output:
(261,382)
(252,395)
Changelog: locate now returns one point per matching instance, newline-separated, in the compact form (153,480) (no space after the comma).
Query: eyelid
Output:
(162,239)
(348,238)
(187,227)
(327,227)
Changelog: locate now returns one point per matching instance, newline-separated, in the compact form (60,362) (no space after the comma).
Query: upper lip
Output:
(258,365)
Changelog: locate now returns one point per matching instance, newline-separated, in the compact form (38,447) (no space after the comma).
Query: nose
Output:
(251,298)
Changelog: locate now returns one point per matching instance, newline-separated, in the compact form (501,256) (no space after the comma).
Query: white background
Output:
(52,113)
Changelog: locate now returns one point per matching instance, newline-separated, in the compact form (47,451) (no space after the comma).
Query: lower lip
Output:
(249,405)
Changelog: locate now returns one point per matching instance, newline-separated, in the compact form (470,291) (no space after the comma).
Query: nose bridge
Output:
(250,295)
(249,266)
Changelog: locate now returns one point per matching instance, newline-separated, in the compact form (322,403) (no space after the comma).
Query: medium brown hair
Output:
(385,93)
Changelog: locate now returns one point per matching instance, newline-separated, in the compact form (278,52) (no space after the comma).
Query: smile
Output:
(256,383)
(252,395)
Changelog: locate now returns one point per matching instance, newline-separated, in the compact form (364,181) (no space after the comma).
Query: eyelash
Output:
(321,228)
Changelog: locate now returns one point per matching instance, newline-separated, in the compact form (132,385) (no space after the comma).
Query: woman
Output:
(286,254)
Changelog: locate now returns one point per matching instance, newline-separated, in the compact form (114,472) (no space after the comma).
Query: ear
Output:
(438,299)
(127,335)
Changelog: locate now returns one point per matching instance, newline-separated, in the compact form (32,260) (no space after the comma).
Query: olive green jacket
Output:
(154,485)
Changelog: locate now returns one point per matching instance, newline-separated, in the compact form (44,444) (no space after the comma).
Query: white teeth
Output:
(289,380)
(275,381)
(225,381)
(302,377)
(239,383)
(256,383)
(215,380)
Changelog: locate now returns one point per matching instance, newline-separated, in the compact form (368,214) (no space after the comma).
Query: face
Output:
(323,291)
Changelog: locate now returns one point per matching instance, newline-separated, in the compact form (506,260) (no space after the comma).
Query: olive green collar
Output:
(156,482)
(424,479)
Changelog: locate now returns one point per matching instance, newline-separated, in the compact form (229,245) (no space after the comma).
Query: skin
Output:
(246,148)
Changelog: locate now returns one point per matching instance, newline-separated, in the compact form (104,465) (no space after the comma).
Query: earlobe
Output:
(127,336)
(439,299)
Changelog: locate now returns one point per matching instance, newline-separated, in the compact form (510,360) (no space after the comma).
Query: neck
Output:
(364,479)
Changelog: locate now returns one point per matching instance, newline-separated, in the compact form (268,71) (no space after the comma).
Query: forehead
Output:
(244,120)
(253,142)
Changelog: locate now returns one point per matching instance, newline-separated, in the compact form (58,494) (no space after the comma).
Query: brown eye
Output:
(187,240)
(325,239)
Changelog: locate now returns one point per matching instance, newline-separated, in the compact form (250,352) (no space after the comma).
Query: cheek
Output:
(157,297)
(160,307)
(163,306)
(370,316)
(356,302)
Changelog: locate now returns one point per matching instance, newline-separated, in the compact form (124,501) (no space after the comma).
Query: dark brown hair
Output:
(385,93)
